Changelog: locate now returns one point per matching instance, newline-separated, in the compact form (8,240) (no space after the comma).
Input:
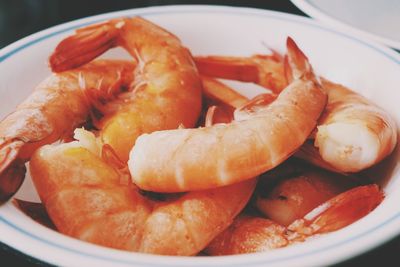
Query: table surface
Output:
(20,18)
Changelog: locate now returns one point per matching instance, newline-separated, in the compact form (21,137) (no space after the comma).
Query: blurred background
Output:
(19,18)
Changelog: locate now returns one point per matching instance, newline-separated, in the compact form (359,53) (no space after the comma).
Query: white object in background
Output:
(375,19)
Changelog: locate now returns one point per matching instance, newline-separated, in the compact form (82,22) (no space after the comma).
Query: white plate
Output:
(377,20)
(368,68)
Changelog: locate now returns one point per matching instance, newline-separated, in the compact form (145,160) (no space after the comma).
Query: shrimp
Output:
(90,197)
(250,233)
(195,159)
(167,88)
(84,185)
(58,104)
(265,70)
(298,193)
(353,133)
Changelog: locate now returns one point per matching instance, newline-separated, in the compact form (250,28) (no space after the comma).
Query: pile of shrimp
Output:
(156,155)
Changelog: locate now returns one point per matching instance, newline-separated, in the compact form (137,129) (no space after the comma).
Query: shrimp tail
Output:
(12,170)
(297,62)
(287,70)
(338,212)
(84,46)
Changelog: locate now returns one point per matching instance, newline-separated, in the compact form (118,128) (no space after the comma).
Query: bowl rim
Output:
(388,229)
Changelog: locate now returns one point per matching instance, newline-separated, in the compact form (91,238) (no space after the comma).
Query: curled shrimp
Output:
(250,233)
(195,159)
(90,197)
(167,89)
(56,107)
(352,133)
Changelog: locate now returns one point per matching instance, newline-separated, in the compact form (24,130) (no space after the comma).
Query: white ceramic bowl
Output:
(368,68)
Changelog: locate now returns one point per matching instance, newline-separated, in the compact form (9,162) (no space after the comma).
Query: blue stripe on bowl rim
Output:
(167,10)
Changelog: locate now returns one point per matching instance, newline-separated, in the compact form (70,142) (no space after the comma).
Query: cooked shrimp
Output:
(221,93)
(353,133)
(195,159)
(59,104)
(167,90)
(265,70)
(297,194)
(89,197)
(250,234)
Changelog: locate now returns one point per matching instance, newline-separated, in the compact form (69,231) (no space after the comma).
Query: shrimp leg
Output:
(59,104)
(94,205)
(222,94)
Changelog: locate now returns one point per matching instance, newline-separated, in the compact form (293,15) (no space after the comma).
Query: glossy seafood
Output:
(89,199)
(56,107)
(352,134)
(167,88)
(89,195)
(195,159)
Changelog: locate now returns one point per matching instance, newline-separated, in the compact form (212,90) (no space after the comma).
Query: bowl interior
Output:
(364,67)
